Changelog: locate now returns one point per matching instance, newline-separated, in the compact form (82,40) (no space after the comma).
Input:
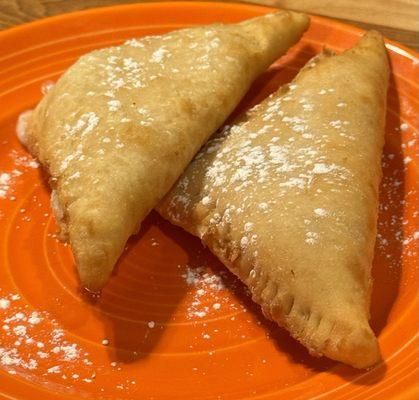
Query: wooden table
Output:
(396,19)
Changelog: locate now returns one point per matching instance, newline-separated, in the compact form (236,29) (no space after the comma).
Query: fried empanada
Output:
(122,124)
(287,198)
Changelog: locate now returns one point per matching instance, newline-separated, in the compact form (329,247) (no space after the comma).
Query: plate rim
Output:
(391,45)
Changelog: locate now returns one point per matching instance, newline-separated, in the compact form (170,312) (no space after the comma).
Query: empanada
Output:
(122,123)
(287,198)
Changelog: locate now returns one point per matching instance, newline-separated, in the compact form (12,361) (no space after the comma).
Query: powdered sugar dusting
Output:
(4,304)
(47,86)
(208,292)
(22,126)
(118,98)
(320,212)
(25,347)
(7,180)
(394,231)
(23,160)
(279,153)
(4,184)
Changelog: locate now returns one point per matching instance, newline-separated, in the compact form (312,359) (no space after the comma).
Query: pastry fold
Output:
(122,123)
(287,198)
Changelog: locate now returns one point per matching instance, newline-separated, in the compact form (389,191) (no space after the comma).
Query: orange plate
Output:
(173,323)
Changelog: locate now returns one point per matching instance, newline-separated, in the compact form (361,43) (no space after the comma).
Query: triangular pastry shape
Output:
(122,124)
(287,198)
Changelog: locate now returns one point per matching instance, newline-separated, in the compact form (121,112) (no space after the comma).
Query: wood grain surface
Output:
(396,19)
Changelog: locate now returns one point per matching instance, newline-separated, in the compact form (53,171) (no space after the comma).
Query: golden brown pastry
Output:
(121,125)
(287,198)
